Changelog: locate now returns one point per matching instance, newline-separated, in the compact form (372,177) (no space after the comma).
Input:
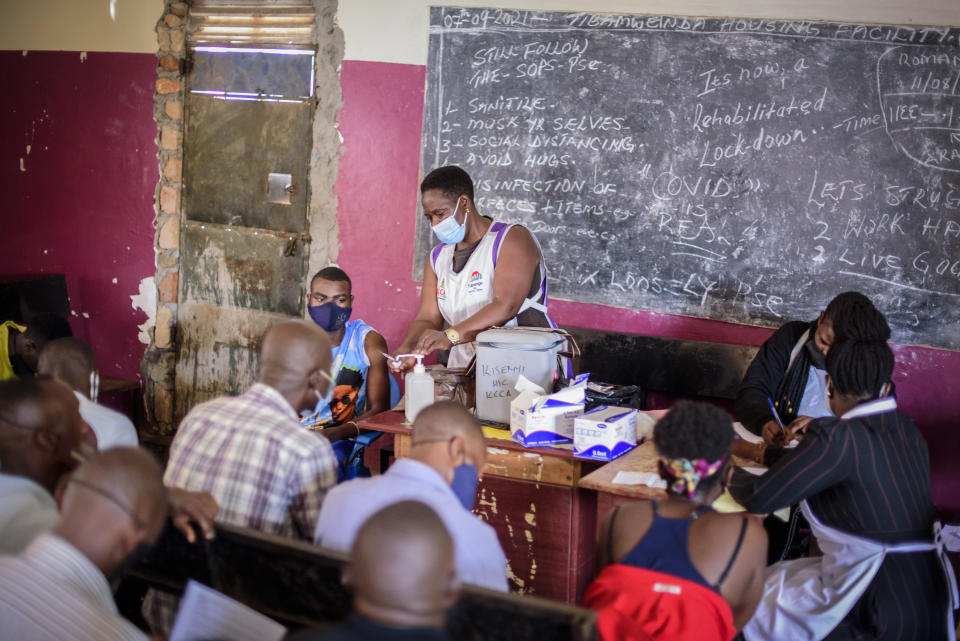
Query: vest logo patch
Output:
(475,284)
(442,290)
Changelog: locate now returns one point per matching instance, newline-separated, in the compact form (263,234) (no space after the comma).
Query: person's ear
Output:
(819,319)
(45,440)
(457,450)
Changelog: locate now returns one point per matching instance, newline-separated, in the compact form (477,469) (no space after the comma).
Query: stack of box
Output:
(539,419)
(605,432)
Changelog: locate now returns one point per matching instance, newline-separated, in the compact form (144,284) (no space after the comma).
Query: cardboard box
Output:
(539,419)
(605,432)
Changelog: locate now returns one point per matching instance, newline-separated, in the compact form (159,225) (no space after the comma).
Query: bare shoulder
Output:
(519,236)
(374,344)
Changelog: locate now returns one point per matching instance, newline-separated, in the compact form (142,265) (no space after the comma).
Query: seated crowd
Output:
(74,519)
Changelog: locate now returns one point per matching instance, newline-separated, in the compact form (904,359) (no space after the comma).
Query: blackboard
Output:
(741,170)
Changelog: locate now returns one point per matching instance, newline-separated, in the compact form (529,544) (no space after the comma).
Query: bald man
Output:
(266,471)
(71,361)
(113,509)
(402,576)
(250,452)
(446,457)
(42,437)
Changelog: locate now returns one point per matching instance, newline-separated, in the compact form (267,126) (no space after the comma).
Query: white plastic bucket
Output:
(505,353)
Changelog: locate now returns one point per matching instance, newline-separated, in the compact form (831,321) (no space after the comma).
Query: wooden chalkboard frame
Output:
(853,195)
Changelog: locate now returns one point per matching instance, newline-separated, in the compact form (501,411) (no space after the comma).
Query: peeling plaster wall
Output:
(324,158)
(77,170)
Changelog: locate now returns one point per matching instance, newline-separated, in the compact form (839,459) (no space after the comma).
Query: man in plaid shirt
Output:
(250,452)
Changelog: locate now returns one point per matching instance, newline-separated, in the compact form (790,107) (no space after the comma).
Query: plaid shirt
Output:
(266,471)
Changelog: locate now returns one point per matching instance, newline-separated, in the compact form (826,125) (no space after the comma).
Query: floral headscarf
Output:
(684,475)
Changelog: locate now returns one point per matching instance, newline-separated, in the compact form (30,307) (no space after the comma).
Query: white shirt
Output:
(479,557)
(26,509)
(52,592)
(815,403)
(112,428)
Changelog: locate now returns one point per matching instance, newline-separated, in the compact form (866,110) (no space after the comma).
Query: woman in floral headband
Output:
(675,569)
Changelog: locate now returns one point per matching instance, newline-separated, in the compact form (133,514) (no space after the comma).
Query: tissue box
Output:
(539,419)
(604,433)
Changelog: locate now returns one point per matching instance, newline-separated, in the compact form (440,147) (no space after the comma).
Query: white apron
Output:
(461,295)
(805,599)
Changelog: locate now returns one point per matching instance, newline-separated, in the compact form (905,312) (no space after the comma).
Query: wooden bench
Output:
(298,584)
(669,366)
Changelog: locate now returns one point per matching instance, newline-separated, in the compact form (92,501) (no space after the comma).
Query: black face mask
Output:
(136,556)
(817,359)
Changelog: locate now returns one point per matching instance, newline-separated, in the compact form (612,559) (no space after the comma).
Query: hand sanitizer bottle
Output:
(419,389)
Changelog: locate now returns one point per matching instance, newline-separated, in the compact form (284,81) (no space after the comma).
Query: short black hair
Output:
(451,180)
(693,431)
(854,316)
(46,327)
(334,275)
(860,368)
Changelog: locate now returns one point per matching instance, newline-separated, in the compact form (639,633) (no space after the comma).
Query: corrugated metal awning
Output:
(277,23)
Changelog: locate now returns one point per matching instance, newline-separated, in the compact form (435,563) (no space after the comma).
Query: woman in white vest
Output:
(483,274)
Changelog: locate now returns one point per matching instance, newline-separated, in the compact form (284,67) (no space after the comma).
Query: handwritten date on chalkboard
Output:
(743,170)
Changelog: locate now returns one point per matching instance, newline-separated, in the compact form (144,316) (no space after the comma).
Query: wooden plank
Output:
(299,584)
(642,458)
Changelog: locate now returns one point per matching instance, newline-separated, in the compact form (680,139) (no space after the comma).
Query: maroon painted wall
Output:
(84,207)
(377,190)
(83,202)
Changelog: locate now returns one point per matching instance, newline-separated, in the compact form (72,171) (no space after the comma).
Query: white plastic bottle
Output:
(419,389)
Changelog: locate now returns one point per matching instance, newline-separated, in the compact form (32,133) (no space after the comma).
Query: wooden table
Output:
(532,497)
(642,458)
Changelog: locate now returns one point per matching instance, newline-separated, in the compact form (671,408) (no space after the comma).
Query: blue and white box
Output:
(538,419)
(605,432)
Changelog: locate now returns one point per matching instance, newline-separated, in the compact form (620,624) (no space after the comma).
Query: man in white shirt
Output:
(71,361)
(42,438)
(446,456)
(113,509)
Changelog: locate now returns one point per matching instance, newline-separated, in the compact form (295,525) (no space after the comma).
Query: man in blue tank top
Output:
(362,383)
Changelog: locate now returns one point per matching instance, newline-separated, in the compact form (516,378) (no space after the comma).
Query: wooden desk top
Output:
(642,458)
(392,422)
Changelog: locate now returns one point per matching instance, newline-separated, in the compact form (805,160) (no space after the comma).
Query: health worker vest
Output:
(461,295)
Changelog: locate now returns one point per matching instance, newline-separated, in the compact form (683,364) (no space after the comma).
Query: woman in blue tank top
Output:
(675,569)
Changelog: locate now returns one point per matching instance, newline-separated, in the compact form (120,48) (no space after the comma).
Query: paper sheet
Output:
(625,477)
(207,614)
(750,437)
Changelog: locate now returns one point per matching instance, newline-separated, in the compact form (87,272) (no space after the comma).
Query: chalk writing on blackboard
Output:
(744,170)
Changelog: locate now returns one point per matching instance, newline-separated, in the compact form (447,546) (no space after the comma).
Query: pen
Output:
(776,416)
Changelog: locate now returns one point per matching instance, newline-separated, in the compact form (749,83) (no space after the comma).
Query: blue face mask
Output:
(465,479)
(448,230)
(330,316)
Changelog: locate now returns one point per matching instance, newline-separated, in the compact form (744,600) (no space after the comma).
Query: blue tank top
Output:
(350,366)
(664,548)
